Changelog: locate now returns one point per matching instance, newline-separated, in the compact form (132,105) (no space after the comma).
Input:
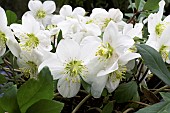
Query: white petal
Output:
(98,86)
(124,59)
(34,6)
(30,25)
(112,84)
(3,18)
(111,33)
(153,20)
(79,11)
(115,14)
(49,6)
(55,66)
(68,50)
(68,87)
(109,69)
(66,10)
(91,39)
(161,9)
(2,50)
(57,19)
(93,30)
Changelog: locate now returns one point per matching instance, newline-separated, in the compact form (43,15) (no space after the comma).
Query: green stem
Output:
(81,103)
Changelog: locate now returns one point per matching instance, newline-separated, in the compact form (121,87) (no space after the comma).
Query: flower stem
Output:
(81,103)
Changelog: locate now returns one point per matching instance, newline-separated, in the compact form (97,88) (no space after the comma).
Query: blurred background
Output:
(21,6)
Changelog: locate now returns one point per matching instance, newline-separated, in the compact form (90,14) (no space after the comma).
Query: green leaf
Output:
(151,5)
(2,79)
(139,4)
(34,90)
(1,61)
(126,92)
(8,100)
(162,107)
(49,106)
(1,110)
(166,96)
(11,17)
(85,85)
(108,108)
(60,36)
(154,62)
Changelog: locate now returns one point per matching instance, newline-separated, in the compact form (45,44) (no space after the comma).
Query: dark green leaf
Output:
(139,4)
(85,85)
(60,36)
(154,62)
(11,17)
(8,100)
(35,90)
(1,61)
(46,106)
(126,92)
(2,79)
(162,107)
(166,96)
(108,108)
(151,5)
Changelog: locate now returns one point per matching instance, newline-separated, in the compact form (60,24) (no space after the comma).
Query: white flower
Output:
(42,11)
(6,36)
(155,24)
(67,13)
(112,55)
(131,31)
(29,62)
(101,17)
(30,35)
(77,30)
(68,65)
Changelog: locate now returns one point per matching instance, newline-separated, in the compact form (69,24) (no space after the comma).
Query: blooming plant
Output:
(48,59)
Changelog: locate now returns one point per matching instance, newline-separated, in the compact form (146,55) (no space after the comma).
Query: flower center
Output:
(31,69)
(105,51)
(106,22)
(32,42)
(163,51)
(3,39)
(159,29)
(74,68)
(41,14)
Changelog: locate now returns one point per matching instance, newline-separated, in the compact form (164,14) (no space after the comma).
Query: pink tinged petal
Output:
(79,11)
(112,83)
(3,18)
(49,6)
(115,14)
(30,25)
(66,10)
(34,6)
(68,50)
(68,86)
(98,85)
(124,59)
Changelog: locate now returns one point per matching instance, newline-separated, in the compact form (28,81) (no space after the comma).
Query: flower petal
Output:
(68,86)
(49,6)
(66,10)
(3,18)
(34,6)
